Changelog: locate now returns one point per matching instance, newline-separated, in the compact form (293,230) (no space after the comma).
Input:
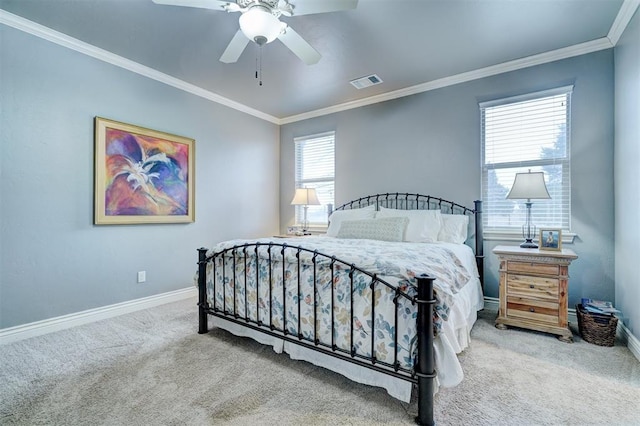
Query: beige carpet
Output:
(151,367)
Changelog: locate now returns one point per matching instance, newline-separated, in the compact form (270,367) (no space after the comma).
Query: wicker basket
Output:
(599,329)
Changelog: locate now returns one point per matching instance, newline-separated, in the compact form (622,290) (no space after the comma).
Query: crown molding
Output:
(529,61)
(625,14)
(64,40)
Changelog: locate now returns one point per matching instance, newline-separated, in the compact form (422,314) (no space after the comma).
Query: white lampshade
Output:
(529,186)
(259,22)
(305,197)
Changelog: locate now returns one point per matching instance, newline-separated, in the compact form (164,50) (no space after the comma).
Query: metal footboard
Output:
(422,373)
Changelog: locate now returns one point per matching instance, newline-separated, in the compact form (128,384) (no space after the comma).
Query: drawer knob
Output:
(532,310)
(532,286)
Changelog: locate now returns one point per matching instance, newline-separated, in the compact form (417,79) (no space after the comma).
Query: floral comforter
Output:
(293,308)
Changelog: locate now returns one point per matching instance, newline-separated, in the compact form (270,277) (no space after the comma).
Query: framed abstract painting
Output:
(142,175)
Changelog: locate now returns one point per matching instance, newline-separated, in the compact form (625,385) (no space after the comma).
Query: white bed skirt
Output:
(453,339)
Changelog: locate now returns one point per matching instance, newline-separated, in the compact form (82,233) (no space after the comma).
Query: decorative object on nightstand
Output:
(550,239)
(305,197)
(534,287)
(528,186)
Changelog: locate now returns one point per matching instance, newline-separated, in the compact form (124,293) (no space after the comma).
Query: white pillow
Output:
(424,225)
(454,228)
(338,216)
(385,229)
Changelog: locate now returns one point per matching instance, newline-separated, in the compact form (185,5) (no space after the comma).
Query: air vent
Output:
(362,82)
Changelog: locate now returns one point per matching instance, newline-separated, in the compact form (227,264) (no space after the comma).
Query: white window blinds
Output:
(529,132)
(315,168)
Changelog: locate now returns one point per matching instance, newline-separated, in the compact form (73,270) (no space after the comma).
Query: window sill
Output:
(314,229)
(567,237)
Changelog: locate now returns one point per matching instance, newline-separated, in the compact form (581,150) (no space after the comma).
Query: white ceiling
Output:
(412,45)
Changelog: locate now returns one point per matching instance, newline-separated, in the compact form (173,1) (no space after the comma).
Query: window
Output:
(315,168)
(529,132)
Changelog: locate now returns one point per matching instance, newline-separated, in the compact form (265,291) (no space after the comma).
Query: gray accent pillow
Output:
(384,229)
(338,216)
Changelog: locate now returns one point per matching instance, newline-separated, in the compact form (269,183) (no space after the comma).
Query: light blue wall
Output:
(430,143)
(54,261)
(627,179)
(426,143)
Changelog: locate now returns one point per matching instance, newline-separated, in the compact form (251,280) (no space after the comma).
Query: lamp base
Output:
(529,244)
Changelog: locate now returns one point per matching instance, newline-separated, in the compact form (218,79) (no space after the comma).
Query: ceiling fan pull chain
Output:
(259,64)
(259,70)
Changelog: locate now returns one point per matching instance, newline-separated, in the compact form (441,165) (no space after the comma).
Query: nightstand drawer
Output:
(533,268)
(533,290)
(532,287)
(531,309)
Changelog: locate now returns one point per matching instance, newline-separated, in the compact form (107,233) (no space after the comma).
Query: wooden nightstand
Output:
(534,289)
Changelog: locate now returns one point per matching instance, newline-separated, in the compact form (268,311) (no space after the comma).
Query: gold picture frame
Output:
(142,175)
(550,239)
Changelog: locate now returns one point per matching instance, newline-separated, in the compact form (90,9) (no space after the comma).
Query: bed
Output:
(387,297)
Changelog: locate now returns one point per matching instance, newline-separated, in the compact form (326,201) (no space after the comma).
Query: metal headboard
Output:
(407,201)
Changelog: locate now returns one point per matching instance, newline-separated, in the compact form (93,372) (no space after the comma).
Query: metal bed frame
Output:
(422,374)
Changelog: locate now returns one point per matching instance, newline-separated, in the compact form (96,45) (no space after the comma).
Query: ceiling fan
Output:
(259,22)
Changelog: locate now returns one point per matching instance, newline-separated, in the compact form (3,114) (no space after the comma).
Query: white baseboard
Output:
(38,328)
(492,304)
(632,342)
(21,332)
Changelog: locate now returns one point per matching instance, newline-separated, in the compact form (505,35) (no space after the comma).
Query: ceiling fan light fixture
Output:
(260,25)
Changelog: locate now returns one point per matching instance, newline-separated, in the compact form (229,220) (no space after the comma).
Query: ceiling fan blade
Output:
(299,46)
(235,48)
(308,7)
(203,4)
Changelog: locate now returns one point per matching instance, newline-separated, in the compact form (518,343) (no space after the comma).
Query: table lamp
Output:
(305,197)
(528,186)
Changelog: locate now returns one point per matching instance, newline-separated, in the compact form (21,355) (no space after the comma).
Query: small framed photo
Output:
(550,239)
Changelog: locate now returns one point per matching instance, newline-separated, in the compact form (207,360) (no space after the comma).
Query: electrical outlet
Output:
(142,276)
